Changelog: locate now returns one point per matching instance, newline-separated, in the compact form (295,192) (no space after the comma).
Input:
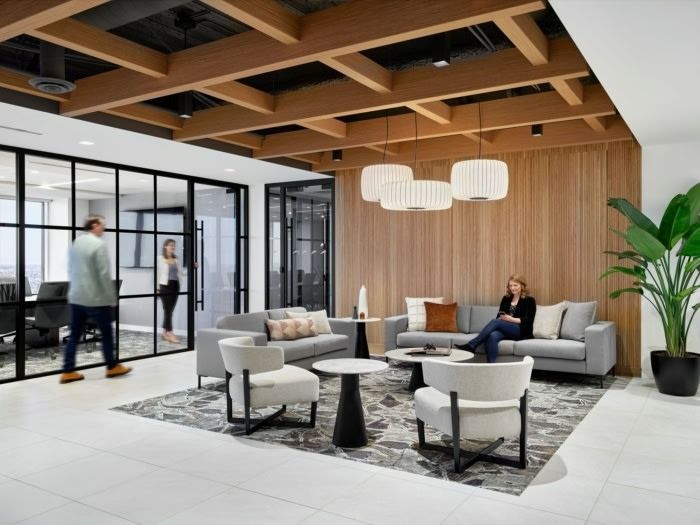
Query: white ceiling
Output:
(645,54)
(62,135)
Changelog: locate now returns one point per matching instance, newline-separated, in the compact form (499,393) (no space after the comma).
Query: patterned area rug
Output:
(557,404)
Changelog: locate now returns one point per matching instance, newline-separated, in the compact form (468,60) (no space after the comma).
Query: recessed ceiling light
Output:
(143,180)
(230,170)
(86,143)
(33,172)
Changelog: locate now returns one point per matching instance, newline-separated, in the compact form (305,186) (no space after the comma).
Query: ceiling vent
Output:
(52,76)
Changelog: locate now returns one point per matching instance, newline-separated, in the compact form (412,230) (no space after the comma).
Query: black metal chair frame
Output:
(485,453)
(251,425)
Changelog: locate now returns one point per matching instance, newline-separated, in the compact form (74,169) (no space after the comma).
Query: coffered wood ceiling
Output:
(528,78)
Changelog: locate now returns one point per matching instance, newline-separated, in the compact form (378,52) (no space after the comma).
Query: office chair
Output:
(53,315)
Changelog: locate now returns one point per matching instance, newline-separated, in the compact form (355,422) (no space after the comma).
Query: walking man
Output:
(91,294)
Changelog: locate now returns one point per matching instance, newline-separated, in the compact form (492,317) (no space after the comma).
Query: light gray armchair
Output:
(256,377)
(475,401)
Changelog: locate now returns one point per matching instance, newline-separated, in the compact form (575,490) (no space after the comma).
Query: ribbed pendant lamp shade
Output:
(479,180)
(376,175)
(416,195)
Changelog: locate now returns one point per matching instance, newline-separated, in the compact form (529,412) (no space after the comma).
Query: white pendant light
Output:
(479,179)
(376,175)
(416,195)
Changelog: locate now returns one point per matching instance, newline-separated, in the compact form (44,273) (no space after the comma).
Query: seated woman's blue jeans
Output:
(493,333)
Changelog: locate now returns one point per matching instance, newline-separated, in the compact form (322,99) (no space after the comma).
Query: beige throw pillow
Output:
(291,329)
(548,321)
(320,320)
(415,307)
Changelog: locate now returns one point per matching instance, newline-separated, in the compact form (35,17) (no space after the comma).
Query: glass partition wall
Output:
(44,200)
(299,250)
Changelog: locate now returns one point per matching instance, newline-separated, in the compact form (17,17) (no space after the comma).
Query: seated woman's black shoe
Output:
(465,346)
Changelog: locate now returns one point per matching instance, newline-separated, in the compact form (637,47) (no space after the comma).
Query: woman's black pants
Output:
(168,295)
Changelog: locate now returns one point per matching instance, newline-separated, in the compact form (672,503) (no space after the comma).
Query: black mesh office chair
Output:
(51,312)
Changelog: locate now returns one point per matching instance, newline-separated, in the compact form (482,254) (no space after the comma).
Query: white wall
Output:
(667,170)
(256,246)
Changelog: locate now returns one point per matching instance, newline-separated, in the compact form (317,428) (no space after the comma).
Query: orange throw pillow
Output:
(440,317)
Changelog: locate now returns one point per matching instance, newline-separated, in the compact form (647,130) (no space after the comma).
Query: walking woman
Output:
(169,275)
(516,315)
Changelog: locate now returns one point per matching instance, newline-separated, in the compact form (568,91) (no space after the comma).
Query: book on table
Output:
(437,352)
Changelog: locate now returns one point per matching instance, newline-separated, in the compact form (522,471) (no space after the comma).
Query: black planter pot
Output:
(676,376)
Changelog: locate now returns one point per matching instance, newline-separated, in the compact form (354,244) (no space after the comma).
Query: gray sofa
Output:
(301,352)
(595,355)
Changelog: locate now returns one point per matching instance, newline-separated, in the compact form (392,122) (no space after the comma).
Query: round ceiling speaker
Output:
(55,86)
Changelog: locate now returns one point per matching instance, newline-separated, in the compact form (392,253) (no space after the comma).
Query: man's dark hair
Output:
(92,220)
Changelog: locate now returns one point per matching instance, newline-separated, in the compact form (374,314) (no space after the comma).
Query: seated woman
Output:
(514,320)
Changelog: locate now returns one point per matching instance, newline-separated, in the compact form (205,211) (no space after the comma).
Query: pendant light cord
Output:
(386,139)
(479,106)
(415,149)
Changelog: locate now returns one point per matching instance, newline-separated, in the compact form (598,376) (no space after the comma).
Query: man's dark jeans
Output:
(102,315)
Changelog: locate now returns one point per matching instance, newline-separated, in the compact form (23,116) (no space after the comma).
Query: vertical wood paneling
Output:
(552,228)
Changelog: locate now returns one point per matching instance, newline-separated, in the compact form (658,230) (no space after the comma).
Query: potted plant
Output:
(665,269)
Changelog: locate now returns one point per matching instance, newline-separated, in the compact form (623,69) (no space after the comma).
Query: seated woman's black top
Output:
(525,311)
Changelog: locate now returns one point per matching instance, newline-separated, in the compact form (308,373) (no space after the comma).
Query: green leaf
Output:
(694,203)
(635,216)
(627,255)
(648,246)
(691,246)
(634,272)
(617,232)
(692,265)
(695,306)
(685,293)
(618,293)
(649,286)
(675,222)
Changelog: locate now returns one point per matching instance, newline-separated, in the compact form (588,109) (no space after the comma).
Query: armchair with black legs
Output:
(480,401)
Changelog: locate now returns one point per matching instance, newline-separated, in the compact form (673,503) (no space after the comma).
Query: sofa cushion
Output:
(320,320)
(440,317)
(415,307)
(277,314)
(463,315)
(557,349)
(326,343)
(251,322)
(294,350)
(480,316)
(577,317)
(291,329)
(420,339)
(548,321)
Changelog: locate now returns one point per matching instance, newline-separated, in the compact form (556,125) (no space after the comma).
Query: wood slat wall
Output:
(552,228)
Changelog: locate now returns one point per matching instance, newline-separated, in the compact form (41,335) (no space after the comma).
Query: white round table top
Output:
(349,366)
(368,320)
(400,354)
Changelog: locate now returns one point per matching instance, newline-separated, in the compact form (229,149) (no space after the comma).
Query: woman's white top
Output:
(164,271)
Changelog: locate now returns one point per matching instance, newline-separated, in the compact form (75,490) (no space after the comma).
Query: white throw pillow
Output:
(320,320)
(548,321)
(415,307)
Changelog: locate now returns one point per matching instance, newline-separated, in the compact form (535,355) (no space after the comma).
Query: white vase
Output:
(362,303)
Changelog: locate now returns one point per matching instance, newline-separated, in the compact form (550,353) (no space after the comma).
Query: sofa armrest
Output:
(601,347)
(209,361)
(393,326)
(344,327)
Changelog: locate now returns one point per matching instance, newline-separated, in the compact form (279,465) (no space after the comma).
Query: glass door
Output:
(218,287)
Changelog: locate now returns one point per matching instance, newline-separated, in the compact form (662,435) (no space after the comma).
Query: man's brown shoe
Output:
(118,370)
(69,377)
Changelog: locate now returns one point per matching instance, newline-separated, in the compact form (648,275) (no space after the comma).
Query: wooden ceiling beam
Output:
(391,149)
(363,70)
(485,137)
(95,42)
(437,111)
(570,89)
(242,95)
(311,158)
(524,33)
(598,124)
(498,71)
(341,30)
(20,82)
(267,16)
(524,110)
(247,140)
(332,127)
(148,114)
(560,134)
(21,16)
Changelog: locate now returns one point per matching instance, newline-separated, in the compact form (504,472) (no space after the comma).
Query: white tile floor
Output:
(66,459)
